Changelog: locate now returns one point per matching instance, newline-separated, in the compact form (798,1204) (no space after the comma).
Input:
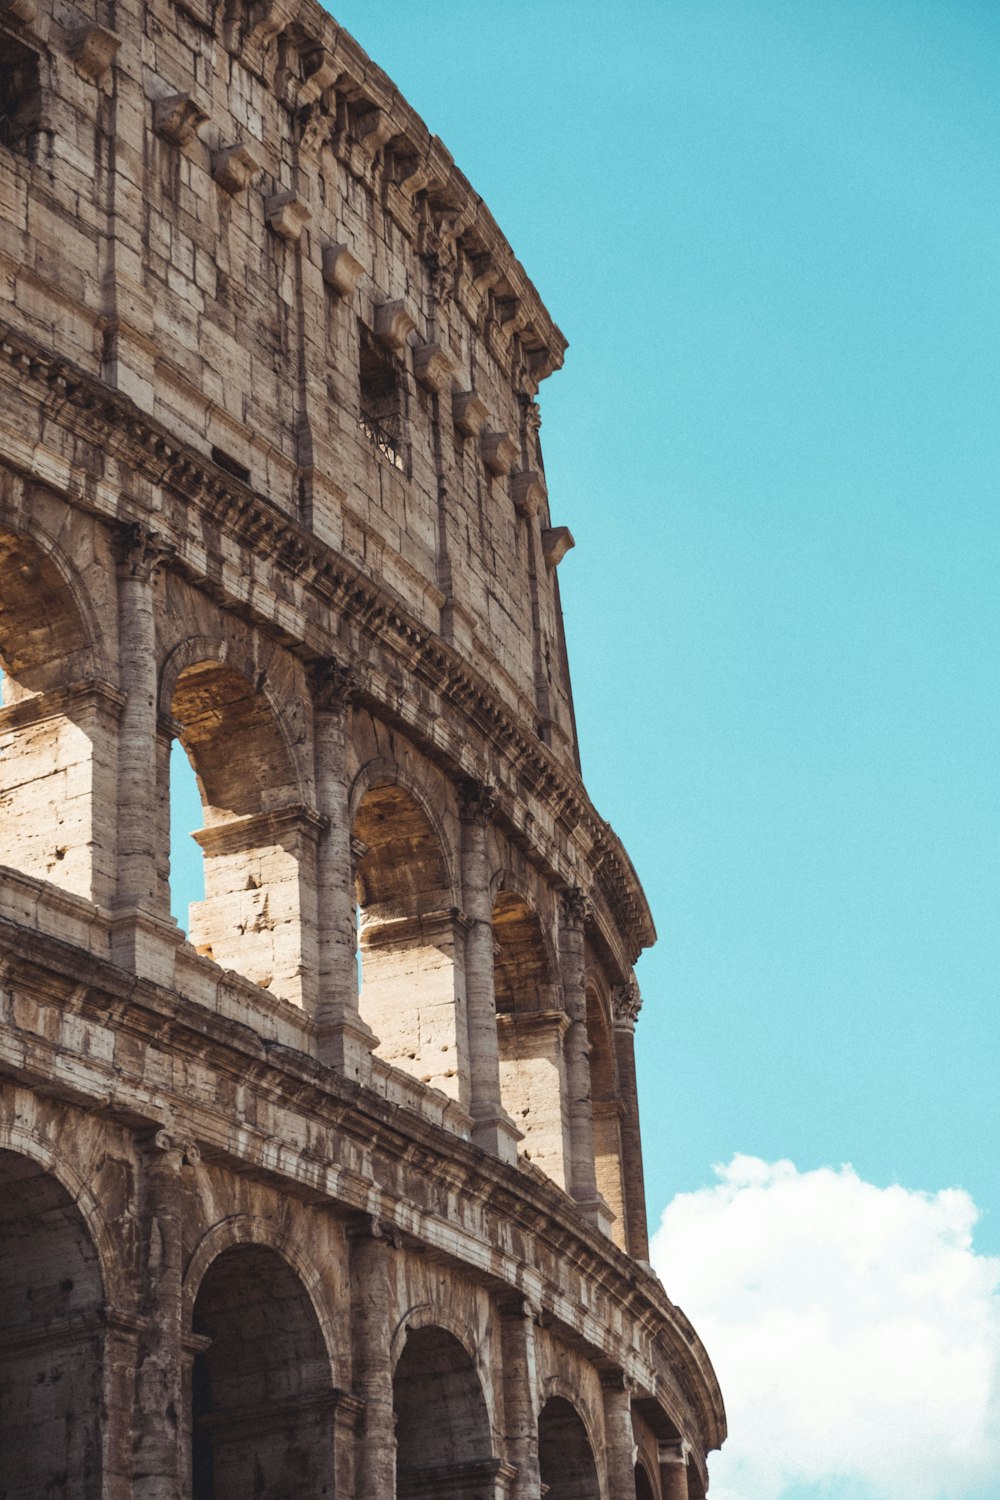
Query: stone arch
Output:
(51,1336)
(262,1393)
(383,771)
(444,1442)
(58,724)
(531,1029)
(646,1487)
(410,933)
(606,1104)
(259,838)
(566,1450)
(431,1315)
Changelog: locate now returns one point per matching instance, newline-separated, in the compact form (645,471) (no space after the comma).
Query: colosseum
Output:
(271,488)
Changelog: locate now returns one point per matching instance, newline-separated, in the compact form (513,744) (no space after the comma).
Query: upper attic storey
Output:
(269,253)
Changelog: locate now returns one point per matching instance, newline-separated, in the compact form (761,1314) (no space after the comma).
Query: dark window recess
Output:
(231,465)
(20,98)
(381,417)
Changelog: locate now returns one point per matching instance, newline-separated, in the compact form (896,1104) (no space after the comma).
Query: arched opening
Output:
(531,1026)
(412,981)
(258,841)
(57,731)
(262,1398)
(565,1457)
(187,867)
(607,1112)
(643,1488)
(443,1444)
(50,1340)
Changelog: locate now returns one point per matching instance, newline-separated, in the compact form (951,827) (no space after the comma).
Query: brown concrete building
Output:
(271,485)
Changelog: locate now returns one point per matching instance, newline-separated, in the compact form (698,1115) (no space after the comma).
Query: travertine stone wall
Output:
(338,1190)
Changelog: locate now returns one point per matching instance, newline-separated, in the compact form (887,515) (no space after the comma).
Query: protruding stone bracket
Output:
(433,367)
(233,167)
(93,50)
(529,491)
(24,11)
(286,216)
(319,73)
(371,127)
(268,17)
(393,324)
(556,542)
(342,271)
(499,452)
(469,413)
(178,118)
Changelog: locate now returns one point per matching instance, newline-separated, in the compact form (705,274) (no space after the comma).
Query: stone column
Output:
(141,925)
(673,1470)
(520,1381)
(372,1320)
(492,1127)
(625,1005)
(618,1436)
(345,1042)
(160,1376)
(573,912)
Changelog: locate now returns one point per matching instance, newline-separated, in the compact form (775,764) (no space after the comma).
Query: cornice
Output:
(113,422)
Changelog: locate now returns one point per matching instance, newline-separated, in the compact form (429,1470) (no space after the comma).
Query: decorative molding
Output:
(626,1003)
(477,801)
(141,551)
(575,908)
(333,684)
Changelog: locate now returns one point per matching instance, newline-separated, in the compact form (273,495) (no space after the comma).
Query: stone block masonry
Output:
(339,1193)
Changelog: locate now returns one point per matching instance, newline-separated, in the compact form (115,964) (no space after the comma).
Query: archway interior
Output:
(606,1113)
(443,1443)
(643,1488)
(50,1340)
(411,991)
(261,1390)
(565,1457)
(530,1033)
(56,753)
(250,919)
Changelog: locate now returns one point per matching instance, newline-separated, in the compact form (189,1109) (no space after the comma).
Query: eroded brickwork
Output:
(271,487)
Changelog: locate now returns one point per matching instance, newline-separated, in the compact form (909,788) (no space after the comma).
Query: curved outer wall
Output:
(271,487)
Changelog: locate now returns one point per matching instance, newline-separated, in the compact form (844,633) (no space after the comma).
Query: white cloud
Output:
(854,1330)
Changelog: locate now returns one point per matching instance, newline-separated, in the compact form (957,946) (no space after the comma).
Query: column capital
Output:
(575,908)
(334,684)
(672,1451)
(371,1227)
(626,1002)
(141,550)
(616,1380)
(477,801)
(170,1143)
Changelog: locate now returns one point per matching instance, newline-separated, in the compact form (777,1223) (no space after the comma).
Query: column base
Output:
(498,1135)
(345,1044)
(145,943)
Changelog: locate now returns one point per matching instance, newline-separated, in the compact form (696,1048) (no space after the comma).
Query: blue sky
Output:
(771,233)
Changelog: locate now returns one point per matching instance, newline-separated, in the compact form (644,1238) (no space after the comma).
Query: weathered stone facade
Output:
(271,485)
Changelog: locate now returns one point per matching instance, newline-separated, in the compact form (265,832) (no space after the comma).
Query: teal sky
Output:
(771,233)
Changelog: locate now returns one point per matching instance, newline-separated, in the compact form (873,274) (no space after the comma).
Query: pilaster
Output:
(625,1005)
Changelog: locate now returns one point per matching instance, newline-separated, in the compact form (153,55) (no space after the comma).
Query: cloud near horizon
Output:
(854,1330)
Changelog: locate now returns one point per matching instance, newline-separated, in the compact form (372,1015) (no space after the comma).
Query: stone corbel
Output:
(268,17)
(499,452)
(469,412)
(393,324)
(341,270)
(178,118)
(433,367)
(319,73)
(286,215)
(410,172)
(233,167)
(556,542)
(372,128)
(93,49)
(529,492)
(24,11)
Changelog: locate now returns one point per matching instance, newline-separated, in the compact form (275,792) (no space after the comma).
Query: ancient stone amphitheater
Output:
(271,486)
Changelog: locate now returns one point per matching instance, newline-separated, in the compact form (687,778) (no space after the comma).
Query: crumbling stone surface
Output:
(271,486)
